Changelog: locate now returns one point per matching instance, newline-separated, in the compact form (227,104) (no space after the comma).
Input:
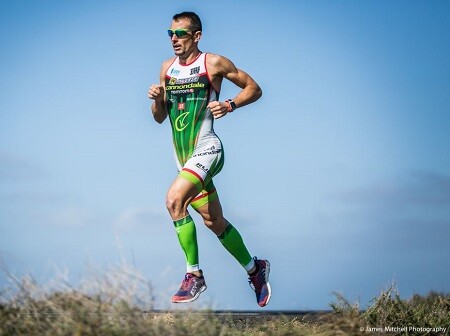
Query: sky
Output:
(339,175)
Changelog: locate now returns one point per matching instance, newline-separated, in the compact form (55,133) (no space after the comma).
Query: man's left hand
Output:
(218,109)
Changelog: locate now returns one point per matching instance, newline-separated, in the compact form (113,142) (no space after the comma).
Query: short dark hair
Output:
(196,23)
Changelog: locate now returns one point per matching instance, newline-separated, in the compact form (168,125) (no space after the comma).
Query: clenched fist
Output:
(156,92)
(218,109)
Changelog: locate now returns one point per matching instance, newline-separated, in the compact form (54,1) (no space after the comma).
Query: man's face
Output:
(183,45)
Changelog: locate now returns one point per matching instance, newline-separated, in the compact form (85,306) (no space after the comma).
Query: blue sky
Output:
(339,174)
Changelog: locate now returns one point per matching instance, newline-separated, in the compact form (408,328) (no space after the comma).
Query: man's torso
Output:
(188,92)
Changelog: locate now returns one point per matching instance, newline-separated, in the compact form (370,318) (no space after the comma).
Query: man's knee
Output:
(215,224)
(209,222)
(175,205)
(172,203)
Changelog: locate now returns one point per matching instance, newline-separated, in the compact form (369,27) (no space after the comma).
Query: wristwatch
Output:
(231,105)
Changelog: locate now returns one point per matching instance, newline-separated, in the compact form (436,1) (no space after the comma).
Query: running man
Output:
(188,93)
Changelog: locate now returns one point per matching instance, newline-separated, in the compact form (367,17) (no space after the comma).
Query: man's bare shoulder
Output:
(164,67)
(215,59)
(218,63)
(166,64)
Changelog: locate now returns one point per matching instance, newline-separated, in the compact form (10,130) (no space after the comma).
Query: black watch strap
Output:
(232,105)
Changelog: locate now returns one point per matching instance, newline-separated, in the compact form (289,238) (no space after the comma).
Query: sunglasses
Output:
(178,32)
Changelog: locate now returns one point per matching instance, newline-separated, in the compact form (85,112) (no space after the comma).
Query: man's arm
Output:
(157,93)
(223,68)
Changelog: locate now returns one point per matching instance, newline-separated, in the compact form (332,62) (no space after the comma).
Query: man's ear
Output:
(197,36)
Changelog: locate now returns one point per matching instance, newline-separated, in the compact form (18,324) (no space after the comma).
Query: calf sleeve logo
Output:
(179,122)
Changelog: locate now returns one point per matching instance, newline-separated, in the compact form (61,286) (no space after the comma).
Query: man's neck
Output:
(187,59)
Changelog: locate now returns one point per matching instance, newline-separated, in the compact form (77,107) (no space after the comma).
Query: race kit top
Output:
(188,92)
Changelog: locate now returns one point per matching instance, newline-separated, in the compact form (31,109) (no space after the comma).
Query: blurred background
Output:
(339,174)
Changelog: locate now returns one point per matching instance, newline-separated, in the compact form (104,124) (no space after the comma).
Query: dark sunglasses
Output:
(178,32)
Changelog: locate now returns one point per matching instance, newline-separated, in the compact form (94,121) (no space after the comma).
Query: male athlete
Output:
(189,94)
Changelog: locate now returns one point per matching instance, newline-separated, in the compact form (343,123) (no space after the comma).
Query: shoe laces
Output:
(186,283)
(256,282)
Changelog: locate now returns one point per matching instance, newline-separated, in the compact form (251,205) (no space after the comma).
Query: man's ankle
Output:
(253,270)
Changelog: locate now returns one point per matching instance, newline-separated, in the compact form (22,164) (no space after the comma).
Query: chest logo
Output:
(179,122)
(195,71)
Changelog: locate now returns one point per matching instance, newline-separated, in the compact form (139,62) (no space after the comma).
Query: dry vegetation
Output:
(120,302)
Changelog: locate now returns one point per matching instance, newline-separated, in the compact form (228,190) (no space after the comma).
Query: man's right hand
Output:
(156,92)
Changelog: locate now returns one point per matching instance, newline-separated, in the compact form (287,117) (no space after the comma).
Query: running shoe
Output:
(260,282)
(190,289)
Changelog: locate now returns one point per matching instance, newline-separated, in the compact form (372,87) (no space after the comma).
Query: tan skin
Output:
(182,192)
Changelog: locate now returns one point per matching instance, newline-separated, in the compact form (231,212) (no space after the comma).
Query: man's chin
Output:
(178,52)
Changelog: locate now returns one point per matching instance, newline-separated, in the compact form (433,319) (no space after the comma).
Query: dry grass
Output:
(120,302)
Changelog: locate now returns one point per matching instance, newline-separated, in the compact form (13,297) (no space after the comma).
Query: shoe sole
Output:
(269,288)
(195,297)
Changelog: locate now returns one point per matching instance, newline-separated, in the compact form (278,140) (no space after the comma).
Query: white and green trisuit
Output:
(198,151)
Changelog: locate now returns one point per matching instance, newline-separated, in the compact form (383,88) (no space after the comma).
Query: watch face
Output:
(233,105)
